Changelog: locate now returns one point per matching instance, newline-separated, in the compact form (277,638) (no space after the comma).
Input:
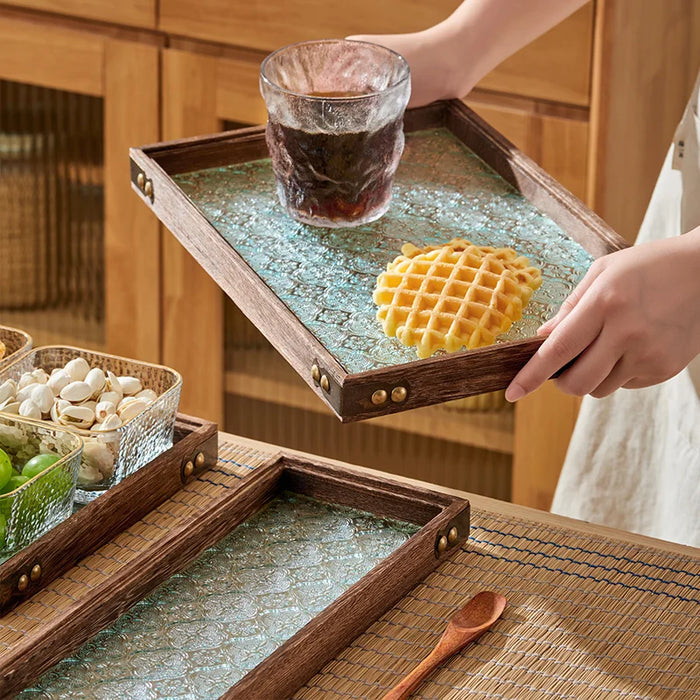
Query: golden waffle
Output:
(453,296)
(2,349)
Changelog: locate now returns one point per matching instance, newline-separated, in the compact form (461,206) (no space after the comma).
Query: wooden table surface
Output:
(592,612)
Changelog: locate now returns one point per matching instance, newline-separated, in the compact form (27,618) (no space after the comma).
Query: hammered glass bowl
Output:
(139,440)
(17,343)
(47,498)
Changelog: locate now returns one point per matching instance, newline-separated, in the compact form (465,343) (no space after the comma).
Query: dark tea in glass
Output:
(335,128)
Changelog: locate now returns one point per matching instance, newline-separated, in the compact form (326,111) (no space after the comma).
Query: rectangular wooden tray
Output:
(388,385)
(194,449)
(444,522)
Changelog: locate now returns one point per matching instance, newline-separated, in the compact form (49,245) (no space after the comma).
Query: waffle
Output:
(453,296)
(2,349)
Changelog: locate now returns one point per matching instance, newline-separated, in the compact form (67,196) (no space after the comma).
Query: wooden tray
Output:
(35,566)
(309,290)
(444,522)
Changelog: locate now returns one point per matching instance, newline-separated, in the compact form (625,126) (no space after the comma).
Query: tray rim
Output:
(297,659)
(350,395)
(114,511)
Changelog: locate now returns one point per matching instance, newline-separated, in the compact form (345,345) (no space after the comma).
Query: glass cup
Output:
(335,128)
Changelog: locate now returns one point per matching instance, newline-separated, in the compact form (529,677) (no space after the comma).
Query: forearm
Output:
(448,59)
(480,34)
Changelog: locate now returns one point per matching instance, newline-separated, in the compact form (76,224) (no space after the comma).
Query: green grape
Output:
(37,464)
(3,529)
(6,470)
(14,483)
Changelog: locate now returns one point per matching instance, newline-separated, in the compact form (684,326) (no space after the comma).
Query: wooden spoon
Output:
(468,623)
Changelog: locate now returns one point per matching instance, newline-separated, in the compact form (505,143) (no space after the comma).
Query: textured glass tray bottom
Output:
(326,276)
(205,628)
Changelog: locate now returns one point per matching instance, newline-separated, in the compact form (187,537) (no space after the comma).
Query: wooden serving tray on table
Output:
(205,512)
(35,566)
(309,290)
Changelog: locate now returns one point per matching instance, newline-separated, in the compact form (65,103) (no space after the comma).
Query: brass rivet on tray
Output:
(199,460)
(23,583)
(379,397)
(315,373)
(148,188)
(399,394)
(452,535)
(140,180)
(35,573)
(188,469)
(442,544)
(325,384)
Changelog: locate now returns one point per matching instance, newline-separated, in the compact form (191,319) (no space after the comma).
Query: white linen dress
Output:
(634,457)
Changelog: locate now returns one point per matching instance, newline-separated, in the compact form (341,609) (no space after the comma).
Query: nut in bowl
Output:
(38,471)
(124,410)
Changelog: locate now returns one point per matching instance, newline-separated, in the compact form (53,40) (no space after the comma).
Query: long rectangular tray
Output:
(32,568)
(444,527)
(309,290)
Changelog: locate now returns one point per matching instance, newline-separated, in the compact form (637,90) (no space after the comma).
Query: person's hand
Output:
(448,59)
(433,71)
(633,321)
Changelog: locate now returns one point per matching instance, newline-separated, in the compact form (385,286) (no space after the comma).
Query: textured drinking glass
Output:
(335,128)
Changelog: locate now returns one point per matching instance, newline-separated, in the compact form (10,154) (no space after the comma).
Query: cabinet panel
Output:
(132,233)
(60,59)
(555,67)
(101,241)
(238,96)
(192,304)
(558,144)
(136,13)
(645,64)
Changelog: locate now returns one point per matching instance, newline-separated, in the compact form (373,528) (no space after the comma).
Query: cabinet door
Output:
(554,67)
(554,137)
(136,13)
(72,103)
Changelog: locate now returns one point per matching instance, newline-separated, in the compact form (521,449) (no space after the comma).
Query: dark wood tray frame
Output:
(194,449)
(445,526)
(396,388)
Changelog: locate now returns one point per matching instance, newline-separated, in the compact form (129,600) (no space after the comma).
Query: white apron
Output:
(634,457)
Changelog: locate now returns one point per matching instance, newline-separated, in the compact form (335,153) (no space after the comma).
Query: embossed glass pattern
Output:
(140,439)
(205,628)
(45,500)
(326,276)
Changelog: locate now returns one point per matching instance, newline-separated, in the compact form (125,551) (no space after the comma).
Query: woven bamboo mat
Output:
(588,617)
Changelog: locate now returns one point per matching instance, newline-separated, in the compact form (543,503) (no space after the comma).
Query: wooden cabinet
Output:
(594,101)
(120,69)
(136,13)
(555,67)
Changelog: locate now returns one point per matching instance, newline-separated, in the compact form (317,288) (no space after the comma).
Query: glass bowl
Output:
(17,343)
(46,499)
(117,453)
